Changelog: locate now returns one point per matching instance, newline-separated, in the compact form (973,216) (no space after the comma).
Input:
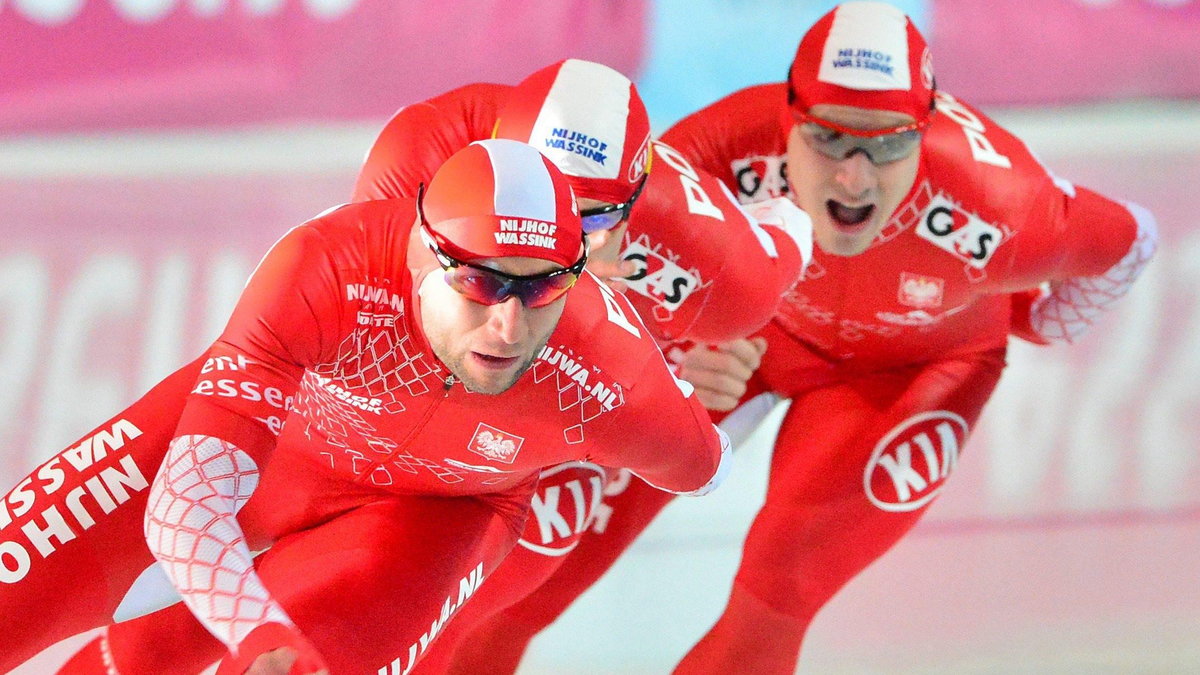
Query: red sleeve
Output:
(419,137)
(1049,229)
(746,126)
(670,441)
(707,271)
(1070,232)
(661,433)
(287,317)
(1102,246)
(1038,228)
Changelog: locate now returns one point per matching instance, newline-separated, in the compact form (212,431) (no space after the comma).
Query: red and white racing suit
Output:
(888,358)
(707,271)
(320,428)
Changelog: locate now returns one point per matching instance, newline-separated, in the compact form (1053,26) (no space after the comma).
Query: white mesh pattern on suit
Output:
(1073,305)
(192,530)
(382,365)
(573,396)
(907,215)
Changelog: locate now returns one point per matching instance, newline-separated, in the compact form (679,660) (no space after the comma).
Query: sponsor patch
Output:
(527,232)
(376,296)
(591,382)
(865,52)
(376,320)
(495,444)
(579,143)
(920,291)
(114,479)
(364,403)
(760,177)
(594,149)
(568,502)
(959,233)
(467,586)
(658,278)
(910,464)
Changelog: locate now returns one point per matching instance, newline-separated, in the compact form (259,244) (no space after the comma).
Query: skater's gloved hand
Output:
(274,649)
(719,373)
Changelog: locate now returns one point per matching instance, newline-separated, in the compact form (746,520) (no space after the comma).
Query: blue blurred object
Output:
(701,50)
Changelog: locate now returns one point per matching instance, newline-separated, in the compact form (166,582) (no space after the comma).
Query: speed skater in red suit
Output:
(384,384)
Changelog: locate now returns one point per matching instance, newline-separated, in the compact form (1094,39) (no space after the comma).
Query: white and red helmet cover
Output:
(863,54)
(588,119)
(498,198)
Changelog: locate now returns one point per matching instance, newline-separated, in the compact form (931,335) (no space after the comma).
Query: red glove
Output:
(269,637)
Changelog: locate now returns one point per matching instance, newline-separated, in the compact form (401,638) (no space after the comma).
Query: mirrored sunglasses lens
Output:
(477,285)
(489,289)
(541,292)
(602,221)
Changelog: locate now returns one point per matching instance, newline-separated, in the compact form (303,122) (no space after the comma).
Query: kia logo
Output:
(910,464)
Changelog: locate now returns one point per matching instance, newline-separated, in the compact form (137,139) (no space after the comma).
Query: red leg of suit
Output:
(495,643)
(373,586)
(75,543)
(171,642)
(176,644)
(566,503)
(854,468)
(370,588)
(363,606)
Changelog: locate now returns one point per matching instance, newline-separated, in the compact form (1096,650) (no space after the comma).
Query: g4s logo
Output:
(659,279)
(955,231)
(760,177)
